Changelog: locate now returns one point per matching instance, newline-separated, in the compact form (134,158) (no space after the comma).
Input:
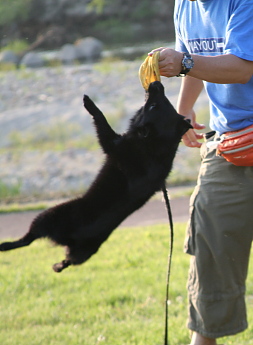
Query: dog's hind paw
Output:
(61,265)
(57,267)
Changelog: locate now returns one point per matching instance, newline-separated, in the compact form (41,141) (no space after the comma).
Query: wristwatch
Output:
(187,64)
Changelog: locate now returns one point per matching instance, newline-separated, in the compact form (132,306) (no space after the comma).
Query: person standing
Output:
(214,49)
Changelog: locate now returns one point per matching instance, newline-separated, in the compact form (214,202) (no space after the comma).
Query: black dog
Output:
(136,166)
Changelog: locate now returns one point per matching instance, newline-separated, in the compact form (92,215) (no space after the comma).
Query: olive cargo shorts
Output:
(219,238)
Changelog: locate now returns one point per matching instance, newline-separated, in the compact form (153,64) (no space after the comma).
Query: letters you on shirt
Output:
(206,45)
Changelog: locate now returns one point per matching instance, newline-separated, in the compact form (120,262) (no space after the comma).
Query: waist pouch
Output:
(237,146)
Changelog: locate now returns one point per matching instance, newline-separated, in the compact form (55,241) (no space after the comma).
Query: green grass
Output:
(116,298)
(7,191)
(15,207)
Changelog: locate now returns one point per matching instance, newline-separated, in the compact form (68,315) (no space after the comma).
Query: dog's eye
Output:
(152,106)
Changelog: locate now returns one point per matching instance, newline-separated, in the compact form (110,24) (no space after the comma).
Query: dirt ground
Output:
(154,212)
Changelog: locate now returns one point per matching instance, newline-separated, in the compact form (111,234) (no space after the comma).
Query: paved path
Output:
(154,212)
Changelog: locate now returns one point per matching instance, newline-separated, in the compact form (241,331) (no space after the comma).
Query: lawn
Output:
(116,298)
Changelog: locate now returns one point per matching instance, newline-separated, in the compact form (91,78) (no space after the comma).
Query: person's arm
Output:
(221,69)
(189,92)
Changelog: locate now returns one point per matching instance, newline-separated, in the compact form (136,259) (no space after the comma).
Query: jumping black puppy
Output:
(136,166)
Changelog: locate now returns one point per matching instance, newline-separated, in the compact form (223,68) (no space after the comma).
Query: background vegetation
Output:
(14,10)
(112,21)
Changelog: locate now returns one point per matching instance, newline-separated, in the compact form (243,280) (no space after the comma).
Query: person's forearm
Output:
(222,69)
(189,92)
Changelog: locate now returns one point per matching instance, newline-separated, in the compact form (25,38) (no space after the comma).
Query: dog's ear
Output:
(184,124)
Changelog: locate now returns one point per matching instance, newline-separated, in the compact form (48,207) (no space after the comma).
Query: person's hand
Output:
(191,137)
(170,65)
(170,61)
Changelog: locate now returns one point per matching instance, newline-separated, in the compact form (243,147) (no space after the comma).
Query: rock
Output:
(89,49)
(68,54)
(32,60)
(7,56)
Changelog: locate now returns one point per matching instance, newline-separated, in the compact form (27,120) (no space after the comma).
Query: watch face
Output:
(188,62)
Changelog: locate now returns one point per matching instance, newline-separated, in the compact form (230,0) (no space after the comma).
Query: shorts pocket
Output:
(189,244)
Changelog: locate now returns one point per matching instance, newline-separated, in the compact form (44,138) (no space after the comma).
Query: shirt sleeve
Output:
(179,45)
(239,35)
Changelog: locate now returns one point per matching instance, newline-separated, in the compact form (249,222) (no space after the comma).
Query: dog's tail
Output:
(22,242)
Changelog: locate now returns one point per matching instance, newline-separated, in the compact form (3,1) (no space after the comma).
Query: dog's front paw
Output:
(90,106)
(86,99)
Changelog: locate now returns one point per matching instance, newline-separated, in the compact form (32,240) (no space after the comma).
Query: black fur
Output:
(136,166)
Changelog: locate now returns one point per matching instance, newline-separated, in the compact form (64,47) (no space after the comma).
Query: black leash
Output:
(167,202)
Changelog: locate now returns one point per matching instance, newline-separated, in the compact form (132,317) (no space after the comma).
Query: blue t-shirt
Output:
(215,27)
